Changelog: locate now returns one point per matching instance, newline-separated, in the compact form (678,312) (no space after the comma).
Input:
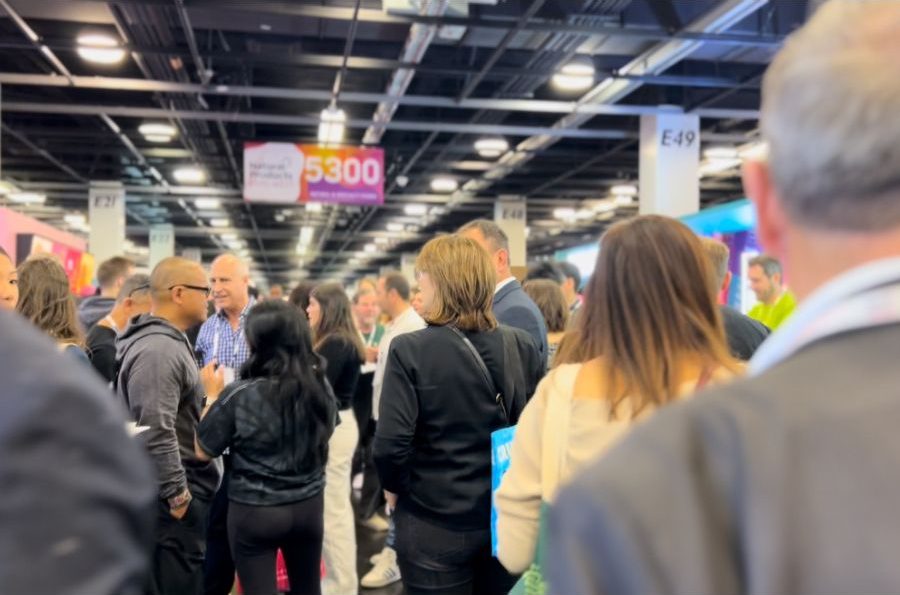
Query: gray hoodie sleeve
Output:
(154,389)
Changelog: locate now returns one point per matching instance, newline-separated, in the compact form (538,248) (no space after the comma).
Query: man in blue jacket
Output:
(512,306)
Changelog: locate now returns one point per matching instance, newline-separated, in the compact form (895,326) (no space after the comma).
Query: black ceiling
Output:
(279,61)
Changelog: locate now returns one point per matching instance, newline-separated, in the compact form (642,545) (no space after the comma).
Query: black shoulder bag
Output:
(501,402)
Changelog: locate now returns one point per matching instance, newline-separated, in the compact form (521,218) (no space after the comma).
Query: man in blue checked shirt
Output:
(221,339)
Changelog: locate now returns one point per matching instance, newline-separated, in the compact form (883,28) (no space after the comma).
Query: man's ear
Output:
(771,221)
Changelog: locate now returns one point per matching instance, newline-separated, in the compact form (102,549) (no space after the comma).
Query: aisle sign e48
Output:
(288,173)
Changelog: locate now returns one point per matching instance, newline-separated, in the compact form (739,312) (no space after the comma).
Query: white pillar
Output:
(511,216)
(193,254)
(670,164)
(162,243)
(106,216)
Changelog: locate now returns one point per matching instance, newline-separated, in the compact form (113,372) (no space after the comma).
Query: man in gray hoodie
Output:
(159,381)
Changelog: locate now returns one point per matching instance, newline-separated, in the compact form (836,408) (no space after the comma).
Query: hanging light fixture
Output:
(491,148)
(574,76)
(100,48)
(331,126)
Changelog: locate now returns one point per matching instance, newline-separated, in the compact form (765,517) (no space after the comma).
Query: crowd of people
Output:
(263,419)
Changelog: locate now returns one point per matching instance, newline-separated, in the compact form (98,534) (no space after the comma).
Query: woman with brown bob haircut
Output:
(446,388)
(649,333)
(45,300)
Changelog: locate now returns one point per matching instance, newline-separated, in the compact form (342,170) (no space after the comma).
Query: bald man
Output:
(159,381)
(221,343)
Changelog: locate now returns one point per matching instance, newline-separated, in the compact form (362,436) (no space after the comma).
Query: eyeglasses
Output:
(141,288)
(207,291)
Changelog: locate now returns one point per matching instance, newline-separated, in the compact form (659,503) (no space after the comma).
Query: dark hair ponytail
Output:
(281,351)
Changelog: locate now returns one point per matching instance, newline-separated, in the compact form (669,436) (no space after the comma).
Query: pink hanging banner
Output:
(285,173)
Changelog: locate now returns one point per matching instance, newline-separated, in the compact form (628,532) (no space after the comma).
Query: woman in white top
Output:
(648,334)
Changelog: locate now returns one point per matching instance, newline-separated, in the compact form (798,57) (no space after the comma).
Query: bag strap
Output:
(484,370)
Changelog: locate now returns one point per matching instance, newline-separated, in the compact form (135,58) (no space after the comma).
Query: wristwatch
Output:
(179,500)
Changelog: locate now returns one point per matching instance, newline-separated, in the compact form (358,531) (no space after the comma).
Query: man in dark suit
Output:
(512,306)
(744,334)
(786,482)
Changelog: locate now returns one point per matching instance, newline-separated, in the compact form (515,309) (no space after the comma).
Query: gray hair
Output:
(769,265)
(491,232)
(133,285)
(831,100)
(718,254)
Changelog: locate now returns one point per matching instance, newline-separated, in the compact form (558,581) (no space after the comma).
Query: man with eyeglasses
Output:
(221,342)
(132,301)
(159,381)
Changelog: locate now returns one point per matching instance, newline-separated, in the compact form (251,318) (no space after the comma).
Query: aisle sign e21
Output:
(287,173)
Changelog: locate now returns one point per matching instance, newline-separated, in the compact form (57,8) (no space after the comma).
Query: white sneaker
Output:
(376,523)
(374,558)
(357,482)
(385,572)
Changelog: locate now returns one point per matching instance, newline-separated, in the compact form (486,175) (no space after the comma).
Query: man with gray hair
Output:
(512,306)
(785,482)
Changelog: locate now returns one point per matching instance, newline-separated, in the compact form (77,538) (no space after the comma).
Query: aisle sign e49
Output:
(289,173)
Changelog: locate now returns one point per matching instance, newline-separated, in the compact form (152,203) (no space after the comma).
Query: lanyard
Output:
(370,340)
(217,337)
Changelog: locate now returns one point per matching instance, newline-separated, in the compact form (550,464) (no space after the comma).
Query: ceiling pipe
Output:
(35,40)
(420,37)
(498,104)
(654,61)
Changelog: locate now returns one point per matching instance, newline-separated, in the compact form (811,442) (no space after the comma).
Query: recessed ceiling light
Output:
(229,237)
(721,153)
(370,248)
(490,148)
(624,190)
(28,198)
(574,76)
(189,175)
(157,132)
(415,210)
(444,185)
(100,48)
(313,207)
(564,214)
(394,227)
(208,204)
(382,240)
(75,219)
(265,27)
(279,218)
(220,222)
(623,200)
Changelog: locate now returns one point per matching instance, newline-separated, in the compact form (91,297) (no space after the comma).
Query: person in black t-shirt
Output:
(133,300)
(338,341)
(277,421)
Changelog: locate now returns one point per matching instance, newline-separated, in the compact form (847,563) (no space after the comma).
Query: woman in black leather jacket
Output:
(277,421)
(446,388)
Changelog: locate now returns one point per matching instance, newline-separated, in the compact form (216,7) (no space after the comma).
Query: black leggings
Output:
(256,533)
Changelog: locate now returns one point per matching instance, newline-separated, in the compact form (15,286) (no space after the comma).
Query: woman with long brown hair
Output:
(337,340)
(649,333)
(446,388)
(45,300)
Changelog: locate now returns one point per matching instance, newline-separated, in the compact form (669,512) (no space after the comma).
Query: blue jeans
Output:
(436,560)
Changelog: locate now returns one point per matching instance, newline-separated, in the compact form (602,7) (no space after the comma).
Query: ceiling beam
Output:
(484,22)
(501,104)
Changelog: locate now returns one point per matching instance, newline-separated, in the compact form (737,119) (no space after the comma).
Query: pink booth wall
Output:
(12,224)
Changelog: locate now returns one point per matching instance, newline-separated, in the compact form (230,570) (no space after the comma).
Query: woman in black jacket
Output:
(446,388)
(338,341)
(277,420)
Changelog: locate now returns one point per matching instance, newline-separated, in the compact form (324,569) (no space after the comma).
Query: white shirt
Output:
(407,322)
(503,284)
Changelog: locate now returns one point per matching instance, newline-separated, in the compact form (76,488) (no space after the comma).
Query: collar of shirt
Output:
(250,303)
(864,297)
(503,284)
(401,320)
